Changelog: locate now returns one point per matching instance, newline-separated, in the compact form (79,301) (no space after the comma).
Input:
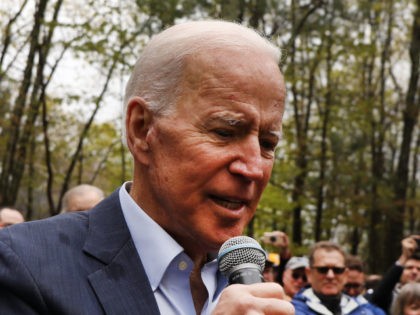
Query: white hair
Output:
(158,71)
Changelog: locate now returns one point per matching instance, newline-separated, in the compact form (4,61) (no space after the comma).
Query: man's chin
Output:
(330,291)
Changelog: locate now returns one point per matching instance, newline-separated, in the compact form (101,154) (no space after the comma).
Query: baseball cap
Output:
(297,262)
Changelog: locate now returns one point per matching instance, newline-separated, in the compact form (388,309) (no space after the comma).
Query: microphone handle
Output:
(246,274)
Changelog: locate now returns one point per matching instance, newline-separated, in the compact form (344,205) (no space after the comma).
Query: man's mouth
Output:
(229,203)
(330,283)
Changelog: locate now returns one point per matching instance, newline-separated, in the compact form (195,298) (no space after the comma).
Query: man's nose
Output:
(249,163)
(330,273)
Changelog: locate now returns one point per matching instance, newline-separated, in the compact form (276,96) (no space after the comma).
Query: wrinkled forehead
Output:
(230,71)
(248,63)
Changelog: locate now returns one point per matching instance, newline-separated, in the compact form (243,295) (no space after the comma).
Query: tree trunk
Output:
(325,116)
(38,91)
(10,164)
(395,226)
(412,218)
(7,37)
(31,176)
(301,119)
(378,129)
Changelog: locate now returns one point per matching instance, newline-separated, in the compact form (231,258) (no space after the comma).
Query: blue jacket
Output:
(307,303)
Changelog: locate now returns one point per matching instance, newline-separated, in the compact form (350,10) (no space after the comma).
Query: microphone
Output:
(241,259)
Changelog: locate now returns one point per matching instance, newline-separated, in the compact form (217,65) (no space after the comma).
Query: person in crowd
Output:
(356,279)
(202,118)
(268,272)
(280,241)
(327,275)
(82,197)
(9,216)
(408,300)
(411,271)
(355,283)
(294,276)
(405,270)
(271,265)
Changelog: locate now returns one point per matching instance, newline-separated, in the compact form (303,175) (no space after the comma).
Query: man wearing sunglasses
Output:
(355,284)
(327,274)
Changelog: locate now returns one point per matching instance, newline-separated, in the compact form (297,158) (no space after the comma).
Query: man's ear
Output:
(138,122)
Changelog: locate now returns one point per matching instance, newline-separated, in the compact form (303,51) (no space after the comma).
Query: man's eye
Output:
(224,133)
(268,145)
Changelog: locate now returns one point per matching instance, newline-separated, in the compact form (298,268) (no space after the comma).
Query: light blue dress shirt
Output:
(166,264)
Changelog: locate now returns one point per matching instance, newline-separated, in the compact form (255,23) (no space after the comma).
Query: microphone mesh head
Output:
(240,250)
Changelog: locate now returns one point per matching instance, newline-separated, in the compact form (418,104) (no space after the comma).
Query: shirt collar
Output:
(154,245)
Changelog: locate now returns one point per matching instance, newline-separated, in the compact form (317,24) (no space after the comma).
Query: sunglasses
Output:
(297,275)
(353,286)
(335,270)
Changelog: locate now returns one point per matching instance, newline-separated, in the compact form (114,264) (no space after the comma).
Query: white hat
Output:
(297,262)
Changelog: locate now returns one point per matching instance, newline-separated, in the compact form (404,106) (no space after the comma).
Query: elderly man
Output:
(327,274)
(202,116)
(9,216)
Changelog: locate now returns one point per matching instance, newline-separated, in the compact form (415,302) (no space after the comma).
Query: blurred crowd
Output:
(329,281)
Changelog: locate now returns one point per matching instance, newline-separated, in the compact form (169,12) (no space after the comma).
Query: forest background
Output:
(347,168)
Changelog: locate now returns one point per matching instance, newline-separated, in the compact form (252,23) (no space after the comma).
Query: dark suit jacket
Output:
(383,294)
(76,263)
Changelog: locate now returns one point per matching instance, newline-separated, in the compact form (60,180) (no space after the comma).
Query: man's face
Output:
(268,274)
(210,161)
(330,282)
(355,283)
(411,272)
(294,280)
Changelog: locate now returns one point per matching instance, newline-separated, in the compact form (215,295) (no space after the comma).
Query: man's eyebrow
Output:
(276,133)
(228,120)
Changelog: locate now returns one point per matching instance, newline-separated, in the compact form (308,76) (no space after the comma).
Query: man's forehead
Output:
(355,272)
(412,262)
(327,253)
(355,275)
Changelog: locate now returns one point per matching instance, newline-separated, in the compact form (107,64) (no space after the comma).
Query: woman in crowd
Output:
(408,300)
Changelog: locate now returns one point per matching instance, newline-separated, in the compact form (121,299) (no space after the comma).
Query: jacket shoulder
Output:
(299,302)
(37,233)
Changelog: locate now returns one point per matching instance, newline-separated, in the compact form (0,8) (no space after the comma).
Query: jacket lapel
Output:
(121,285)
